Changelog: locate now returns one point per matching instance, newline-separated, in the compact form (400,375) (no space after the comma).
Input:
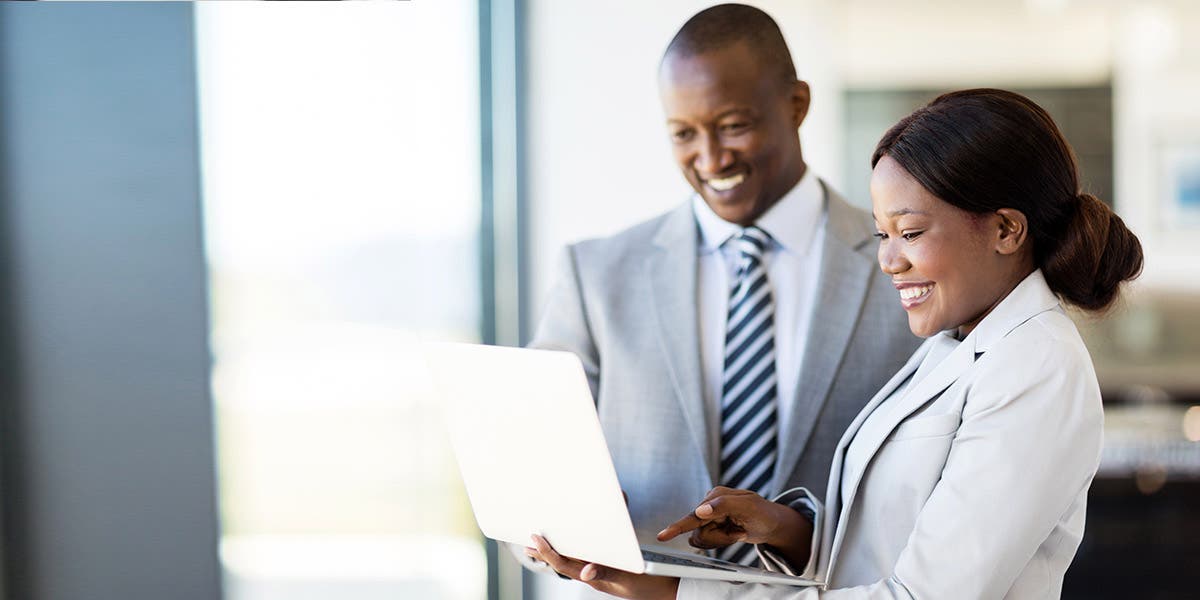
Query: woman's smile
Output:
(914,294)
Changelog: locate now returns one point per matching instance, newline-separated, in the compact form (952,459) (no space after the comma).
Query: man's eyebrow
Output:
(734,111)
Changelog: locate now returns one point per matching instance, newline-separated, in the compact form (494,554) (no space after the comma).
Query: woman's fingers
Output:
(684,525)
(703,516)
(715,535)
(750,514)
(724,517)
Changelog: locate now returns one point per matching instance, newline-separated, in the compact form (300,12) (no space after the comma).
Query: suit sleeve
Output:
(564,324)
(804,502)
(1023,456)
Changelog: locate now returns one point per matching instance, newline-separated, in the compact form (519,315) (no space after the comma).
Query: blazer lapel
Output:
(843,280)
(940,378)
(835,522)
(671,274)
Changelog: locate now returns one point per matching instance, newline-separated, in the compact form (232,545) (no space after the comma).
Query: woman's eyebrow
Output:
(900,211)
(905,211)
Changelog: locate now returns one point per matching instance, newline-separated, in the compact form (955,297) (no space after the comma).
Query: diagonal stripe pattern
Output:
(748,394)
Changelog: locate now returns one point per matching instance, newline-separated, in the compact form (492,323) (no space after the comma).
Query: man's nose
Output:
(712,157)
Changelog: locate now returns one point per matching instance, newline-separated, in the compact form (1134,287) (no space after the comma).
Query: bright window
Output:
(340,148)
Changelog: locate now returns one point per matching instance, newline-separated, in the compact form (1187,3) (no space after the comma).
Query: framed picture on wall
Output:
(1179,177)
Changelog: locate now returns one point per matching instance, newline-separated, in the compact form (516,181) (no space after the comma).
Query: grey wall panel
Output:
(110,479)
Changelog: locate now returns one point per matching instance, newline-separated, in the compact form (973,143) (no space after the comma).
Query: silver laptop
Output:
(534,460)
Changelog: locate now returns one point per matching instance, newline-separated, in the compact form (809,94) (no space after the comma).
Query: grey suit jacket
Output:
(626,305)
(976,486)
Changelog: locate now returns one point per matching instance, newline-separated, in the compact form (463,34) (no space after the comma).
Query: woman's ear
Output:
(1014,230)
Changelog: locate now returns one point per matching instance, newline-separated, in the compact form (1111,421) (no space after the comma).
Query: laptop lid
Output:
(531,450)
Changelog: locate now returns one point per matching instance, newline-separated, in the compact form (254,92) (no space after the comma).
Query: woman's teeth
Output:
(914,292)
(726,184)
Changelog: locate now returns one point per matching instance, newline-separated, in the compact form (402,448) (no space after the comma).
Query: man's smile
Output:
(724,184)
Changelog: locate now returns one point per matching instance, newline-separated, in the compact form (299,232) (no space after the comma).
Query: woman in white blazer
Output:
(966,476)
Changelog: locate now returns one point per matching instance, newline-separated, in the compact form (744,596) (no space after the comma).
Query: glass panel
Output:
(340,150)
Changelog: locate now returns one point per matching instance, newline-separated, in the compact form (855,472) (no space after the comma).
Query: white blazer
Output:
(976,486)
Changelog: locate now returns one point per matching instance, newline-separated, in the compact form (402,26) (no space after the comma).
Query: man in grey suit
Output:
(732,340)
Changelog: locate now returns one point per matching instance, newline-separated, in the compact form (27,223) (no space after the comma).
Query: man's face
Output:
(733,127)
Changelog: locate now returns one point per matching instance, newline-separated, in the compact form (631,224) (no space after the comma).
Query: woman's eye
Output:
(879,235)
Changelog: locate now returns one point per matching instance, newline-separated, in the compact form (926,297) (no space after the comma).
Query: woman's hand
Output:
(727,516)
(605,579)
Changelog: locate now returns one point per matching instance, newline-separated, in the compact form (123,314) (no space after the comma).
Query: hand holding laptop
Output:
(615,582)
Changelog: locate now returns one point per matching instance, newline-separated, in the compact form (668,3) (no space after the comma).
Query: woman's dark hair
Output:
(986,149)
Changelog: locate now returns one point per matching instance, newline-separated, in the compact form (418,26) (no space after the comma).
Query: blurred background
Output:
(227,227)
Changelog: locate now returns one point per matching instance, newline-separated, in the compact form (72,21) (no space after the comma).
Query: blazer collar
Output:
(1031,297)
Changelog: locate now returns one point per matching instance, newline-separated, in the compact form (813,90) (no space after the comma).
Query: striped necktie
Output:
(748,394)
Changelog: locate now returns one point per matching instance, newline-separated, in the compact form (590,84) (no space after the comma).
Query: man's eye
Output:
(734,127)
(879,235)
(682,135)
(911,235)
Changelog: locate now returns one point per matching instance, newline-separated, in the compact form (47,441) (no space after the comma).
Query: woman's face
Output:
(950,266)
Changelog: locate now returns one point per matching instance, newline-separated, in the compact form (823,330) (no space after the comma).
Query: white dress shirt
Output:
(793,262)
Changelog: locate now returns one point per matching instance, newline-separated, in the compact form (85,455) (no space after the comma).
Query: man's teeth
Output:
(914,292)
(727,183)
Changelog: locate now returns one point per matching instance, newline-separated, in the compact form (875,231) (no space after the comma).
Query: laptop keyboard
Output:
(679,560)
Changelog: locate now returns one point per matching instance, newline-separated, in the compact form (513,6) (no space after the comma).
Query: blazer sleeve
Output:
(1023,456)
(564,326)
(564,323)
(804,502)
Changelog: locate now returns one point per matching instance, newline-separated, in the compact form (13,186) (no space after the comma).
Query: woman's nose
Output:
(891,259)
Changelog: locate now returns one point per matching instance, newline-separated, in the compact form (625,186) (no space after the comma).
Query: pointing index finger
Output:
(684,525)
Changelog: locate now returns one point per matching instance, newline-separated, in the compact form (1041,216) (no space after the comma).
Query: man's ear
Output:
(1013,230)
(800,99)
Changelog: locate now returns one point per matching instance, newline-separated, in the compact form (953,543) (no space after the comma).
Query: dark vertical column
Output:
(108,443)
(503,237)
(503,220)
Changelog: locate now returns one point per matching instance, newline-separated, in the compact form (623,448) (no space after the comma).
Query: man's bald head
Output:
(725,25)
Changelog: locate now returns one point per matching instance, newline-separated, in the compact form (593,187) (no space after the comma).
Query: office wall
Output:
(108,442)
(1156,92)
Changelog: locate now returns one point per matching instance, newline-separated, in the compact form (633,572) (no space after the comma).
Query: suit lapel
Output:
(843,280)
(835,523)
(940,378)
(671,274)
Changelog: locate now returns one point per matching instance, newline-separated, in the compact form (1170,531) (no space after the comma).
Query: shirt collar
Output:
(792,222)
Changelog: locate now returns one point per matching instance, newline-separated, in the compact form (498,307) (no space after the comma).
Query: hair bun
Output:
(1097,253)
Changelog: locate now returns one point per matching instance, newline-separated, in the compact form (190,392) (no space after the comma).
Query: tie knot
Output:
(752,241)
